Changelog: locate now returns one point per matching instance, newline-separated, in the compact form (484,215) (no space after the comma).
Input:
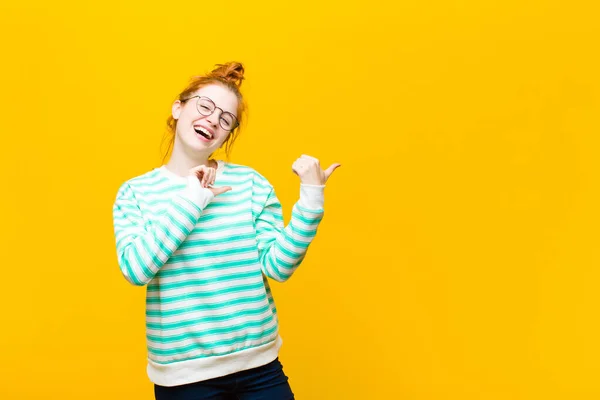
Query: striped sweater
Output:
(205,262)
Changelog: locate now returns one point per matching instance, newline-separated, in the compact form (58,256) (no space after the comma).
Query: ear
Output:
(176,109)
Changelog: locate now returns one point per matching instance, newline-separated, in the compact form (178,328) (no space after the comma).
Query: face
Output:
(205,133)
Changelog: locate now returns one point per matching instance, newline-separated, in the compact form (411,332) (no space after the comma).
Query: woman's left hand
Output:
(309,170)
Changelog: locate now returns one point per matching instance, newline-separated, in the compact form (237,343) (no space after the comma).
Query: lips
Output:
(202,131)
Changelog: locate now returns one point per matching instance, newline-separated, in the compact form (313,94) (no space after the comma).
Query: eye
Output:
(205,106)
(228,119)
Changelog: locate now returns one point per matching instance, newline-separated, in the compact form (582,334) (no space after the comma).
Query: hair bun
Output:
(231,72)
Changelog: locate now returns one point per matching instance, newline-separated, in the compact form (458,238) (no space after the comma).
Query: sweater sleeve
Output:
(282,249)
(142,249)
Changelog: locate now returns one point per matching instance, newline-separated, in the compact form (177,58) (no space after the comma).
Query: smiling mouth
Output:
(203,132)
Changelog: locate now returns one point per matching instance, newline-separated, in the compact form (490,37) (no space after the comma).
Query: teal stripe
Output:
(149,189)
(263,186)
(210,217)
(144,179)
(284,250)
(203,242)
(317,211)
(132,276)
(238,167)
(217,203)
(289,253)
(191,203)
(213,354)
(226,264)
(204,307)
(211,230)
(276,206)
(211,254)
(186,213)
(259,200)
(307,221)
(143,265)
(208,319)
(270,216)
(158,201)
(221,181)
(203,294)
(264,225)
(269,256)
(125,191)
(125,236)
(302,232)
(225,342)
(237,173)
(296,243)
(264,228)
(153,203)
(283,263)
(124,206)
(166,251)
(155,260)
(175,241)
(123,223)
(262,200)
(175,222)
(201,282)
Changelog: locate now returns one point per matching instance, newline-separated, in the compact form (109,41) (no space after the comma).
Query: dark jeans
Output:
(267,382)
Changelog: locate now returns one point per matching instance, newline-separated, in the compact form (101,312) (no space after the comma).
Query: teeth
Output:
(207,133)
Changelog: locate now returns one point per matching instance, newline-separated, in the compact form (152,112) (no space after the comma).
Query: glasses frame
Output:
(236,122)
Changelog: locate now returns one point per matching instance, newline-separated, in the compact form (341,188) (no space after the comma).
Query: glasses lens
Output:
(205,106)
(227,121)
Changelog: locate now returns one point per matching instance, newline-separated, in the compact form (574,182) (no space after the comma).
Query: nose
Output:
(213,118)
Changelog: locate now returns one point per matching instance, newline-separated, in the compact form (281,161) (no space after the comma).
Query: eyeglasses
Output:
(206,107)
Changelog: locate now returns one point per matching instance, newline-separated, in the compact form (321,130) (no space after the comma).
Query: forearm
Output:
(289,247)
(142,251)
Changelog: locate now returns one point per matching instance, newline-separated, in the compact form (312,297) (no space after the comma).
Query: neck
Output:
(181,161)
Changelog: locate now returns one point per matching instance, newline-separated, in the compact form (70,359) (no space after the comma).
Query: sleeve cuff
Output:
(312,196)
(197,194)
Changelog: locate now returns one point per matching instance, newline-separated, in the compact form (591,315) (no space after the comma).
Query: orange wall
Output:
(458,258)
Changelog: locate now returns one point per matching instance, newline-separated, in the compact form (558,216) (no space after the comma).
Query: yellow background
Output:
(458,258)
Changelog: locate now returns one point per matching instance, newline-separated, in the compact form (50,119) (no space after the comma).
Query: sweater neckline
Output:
(182,179)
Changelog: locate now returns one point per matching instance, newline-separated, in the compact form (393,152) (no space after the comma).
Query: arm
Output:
(282,249)
(142,250)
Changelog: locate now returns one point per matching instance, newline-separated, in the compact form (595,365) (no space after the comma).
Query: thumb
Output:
(220,190)
(330,170)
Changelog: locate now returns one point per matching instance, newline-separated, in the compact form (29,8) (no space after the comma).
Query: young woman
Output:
(204,235)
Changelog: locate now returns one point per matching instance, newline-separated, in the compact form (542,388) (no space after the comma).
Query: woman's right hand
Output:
(206,176)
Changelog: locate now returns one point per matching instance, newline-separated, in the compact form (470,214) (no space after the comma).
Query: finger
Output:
(198,168)
(211,177)
(307,157)
(199,175)
(221,190)
(330,170)
(208,177)
(205,176)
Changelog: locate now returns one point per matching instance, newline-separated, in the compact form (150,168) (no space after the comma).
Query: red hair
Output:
(230,75)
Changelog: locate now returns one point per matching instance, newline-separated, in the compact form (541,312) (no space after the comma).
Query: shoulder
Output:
(141,183)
